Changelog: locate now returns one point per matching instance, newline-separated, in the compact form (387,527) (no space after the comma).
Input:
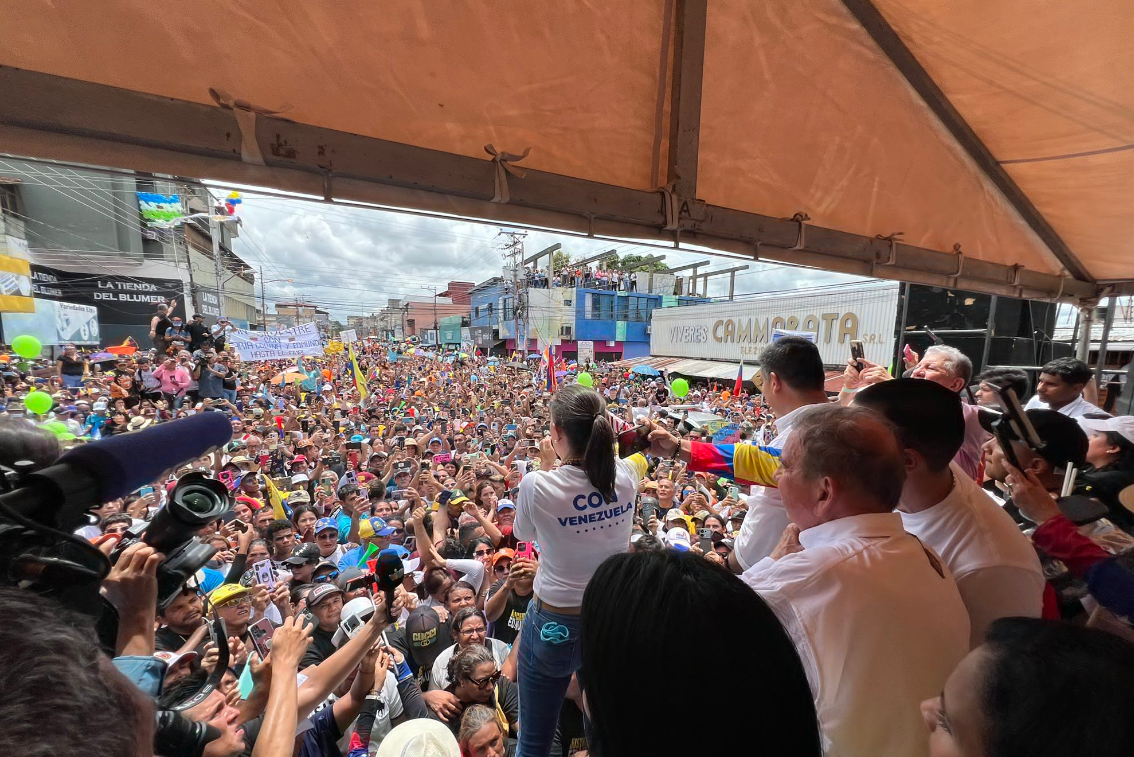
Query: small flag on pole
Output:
(739,379)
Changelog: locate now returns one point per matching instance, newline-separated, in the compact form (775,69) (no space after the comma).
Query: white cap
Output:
(1121,424)
(420,737)
(678,538)
(359,607)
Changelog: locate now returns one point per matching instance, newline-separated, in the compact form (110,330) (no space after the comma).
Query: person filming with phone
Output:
(580,513)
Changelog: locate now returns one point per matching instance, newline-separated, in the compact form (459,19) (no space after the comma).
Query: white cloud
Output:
(349,260)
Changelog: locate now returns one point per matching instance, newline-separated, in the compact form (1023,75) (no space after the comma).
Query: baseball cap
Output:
(324,524)
(701,515)
(410,441)
(298,497)
(299,459)
(503,554)
(245,463)
(504,504)
(346,575)
(460,499)
(172,658)
(1063,438)
(678,538)
(435,439)
(358,609)
(226,592)
(674,514)
(423,631)
(396,549)
(373,527)
(302,553)
(1122,425)
(322,592)
(300,478)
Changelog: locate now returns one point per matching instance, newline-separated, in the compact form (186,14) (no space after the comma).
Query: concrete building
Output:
(89,244)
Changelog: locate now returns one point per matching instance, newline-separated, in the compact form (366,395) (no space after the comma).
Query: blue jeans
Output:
(229,394)
(72,382)
(549,654)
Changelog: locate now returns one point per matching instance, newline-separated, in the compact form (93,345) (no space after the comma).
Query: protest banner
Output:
(298,341)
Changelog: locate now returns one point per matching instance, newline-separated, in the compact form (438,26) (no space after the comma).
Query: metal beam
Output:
(735,268)
(545,251)
(909,66)
(56,118)
(685,100)
(600,256)
(690,266)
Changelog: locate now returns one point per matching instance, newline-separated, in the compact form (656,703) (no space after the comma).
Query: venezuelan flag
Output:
(745,463)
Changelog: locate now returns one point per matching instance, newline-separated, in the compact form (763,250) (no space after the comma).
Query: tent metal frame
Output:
(57,118)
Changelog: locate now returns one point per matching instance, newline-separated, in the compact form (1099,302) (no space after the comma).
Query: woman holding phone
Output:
(579,513)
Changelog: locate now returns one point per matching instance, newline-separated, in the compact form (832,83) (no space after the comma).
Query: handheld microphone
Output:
(390,573)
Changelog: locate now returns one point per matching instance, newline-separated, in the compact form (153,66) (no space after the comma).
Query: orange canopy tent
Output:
(987,146)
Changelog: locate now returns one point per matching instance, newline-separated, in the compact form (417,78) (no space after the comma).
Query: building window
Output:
(9,200)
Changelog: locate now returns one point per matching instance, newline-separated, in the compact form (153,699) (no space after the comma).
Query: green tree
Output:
(632,263)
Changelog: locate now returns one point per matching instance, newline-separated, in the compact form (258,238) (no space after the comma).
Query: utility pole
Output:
(513,254)
(436,331)
(263,302)
(214,232)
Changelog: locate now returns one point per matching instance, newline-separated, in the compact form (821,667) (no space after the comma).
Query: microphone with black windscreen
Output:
(389,572)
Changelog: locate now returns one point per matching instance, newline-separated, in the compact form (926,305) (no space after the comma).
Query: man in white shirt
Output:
(943,365)
(875,615)
(995,566)
(1060,388)
(793,376)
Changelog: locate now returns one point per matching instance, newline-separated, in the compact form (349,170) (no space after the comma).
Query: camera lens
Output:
(198,500)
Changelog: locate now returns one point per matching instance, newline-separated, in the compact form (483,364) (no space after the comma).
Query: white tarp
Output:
(298,341)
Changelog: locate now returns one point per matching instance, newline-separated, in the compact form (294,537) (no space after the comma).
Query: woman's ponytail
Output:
(598,460)
(580,413)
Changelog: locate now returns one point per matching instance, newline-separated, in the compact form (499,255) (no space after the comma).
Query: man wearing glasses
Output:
(325,602)
(327,540)
(301,563)
(510,593)
(233,604)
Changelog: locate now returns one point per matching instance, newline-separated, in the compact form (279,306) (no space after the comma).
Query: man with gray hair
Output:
(876,617)
(943,365)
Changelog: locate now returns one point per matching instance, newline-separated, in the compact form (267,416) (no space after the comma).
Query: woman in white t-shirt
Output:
(580,514)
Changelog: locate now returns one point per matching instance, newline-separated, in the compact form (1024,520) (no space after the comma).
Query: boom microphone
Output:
(96,473)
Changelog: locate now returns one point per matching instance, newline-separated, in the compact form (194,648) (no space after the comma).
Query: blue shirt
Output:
(321,739)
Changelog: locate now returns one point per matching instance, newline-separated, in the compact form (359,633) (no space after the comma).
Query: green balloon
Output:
(56,427)
(27,347)
(680,387)
(585,379)
(38,402)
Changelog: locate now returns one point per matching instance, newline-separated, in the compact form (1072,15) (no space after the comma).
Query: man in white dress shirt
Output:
(1060,388)
(793,377)
(995,566)
(875,615)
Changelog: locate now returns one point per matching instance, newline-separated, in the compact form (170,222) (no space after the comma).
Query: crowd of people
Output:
(901,569)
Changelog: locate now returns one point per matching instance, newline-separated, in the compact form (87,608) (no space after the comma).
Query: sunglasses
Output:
(482,683)
(326,578)
(236,602)
(501,568)
(399,531)
(482,552)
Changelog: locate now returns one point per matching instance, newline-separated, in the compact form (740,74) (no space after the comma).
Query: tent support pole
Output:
(908,65)
(685,108)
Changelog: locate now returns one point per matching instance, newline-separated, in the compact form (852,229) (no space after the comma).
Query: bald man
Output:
(876,616)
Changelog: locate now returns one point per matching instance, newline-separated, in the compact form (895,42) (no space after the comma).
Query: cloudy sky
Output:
(349,260)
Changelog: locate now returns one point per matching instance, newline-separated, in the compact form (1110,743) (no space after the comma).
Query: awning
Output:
(708,369)
(976,145)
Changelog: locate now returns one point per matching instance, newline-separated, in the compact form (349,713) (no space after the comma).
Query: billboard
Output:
(739,329)
(55,323)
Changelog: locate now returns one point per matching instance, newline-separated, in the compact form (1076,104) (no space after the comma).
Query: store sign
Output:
(15,285)
(733,331)
(119,299)
(206,302)
(56,323)
(586,351)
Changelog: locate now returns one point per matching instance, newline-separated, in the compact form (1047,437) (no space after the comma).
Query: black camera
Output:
(195,501)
